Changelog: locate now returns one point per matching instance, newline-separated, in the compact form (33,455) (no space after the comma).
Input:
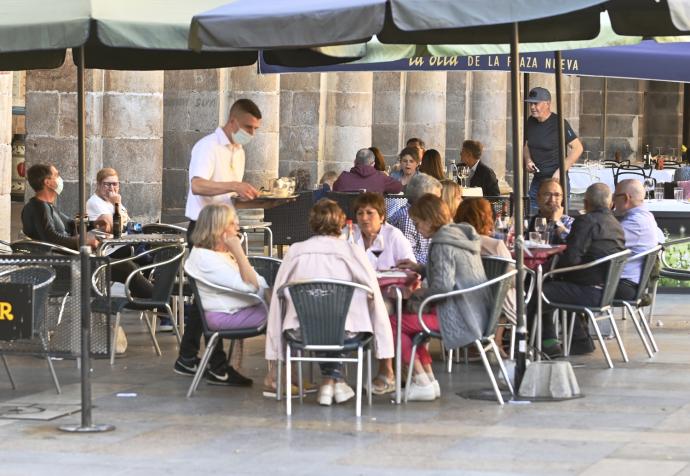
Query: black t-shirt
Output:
(542,140)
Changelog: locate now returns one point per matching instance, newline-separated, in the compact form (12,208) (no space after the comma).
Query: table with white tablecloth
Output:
(583,177)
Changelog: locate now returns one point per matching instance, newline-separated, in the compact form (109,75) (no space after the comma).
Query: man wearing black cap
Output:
(541,141)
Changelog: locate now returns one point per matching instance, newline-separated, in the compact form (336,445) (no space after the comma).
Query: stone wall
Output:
(663,109)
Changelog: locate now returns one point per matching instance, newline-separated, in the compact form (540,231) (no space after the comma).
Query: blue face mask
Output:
(241,137)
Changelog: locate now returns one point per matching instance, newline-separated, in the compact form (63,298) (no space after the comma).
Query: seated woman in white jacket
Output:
(218,258)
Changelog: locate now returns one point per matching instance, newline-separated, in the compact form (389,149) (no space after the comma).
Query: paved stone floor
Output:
(634,419)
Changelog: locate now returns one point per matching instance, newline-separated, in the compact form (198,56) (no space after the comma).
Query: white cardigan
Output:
(218,268)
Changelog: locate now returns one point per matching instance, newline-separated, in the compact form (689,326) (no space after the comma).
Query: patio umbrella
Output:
(129,35)
(246,23)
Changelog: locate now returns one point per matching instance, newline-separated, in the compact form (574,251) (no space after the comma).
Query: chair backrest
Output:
(266,267)
(650,259)
(495,266)
(615,262)
(497,292)
(501,205)
(612,164)
(622,171)
(290,222)
(163,229)
(345,200)
(671,164)
(40,248)
(164,269)
(321,307)
(394,203)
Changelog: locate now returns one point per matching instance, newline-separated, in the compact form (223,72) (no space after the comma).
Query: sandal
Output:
(382,385)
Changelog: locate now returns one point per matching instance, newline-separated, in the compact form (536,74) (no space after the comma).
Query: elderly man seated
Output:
(550,202)
(593,235)
(419,185)
(364,176)
(641,232)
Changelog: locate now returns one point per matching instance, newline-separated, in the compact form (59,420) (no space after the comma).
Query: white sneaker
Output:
(421,393)
(437,389)
(326,395)
(343,392)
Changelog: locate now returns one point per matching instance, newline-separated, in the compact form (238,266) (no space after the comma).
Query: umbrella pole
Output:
(521,331)
(86,425)
(561,133)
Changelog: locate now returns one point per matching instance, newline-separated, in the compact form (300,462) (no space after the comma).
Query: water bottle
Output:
(647,157)
(452,173)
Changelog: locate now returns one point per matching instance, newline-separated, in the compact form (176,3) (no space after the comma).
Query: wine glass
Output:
(587,164)
(658,151)
(376,249)
(463,172)
(540,226)
(649,184)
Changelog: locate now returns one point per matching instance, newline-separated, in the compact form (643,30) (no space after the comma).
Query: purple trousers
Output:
(252,316)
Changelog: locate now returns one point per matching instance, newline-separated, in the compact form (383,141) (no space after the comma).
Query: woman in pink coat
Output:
(326,256)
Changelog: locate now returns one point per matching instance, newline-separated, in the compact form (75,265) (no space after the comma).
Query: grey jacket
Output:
(455,263)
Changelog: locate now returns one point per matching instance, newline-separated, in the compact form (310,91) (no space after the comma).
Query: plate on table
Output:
(391,274)
(534,244)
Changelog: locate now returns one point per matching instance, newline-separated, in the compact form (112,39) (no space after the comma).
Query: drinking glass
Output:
(678,194)
(659,192)
(587,164)
(649,184)
(540,224)
(463,172)
(535,237)
(658,151)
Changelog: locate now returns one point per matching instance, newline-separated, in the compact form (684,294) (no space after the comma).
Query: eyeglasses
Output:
(551,195)
(111,184)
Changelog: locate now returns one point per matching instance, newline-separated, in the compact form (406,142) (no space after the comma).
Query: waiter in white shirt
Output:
(216,171)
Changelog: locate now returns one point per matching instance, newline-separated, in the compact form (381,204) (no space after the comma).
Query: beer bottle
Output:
(117,222)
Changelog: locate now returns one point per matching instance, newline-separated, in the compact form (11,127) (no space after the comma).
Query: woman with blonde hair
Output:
(451,194)
(218,258)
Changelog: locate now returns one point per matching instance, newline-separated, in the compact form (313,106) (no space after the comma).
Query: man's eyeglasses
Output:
(111,184)
(551,195)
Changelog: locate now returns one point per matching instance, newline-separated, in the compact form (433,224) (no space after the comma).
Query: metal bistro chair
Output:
(345,200)
(615,263)
(163,229)
(630,171)
(40,247)
(322,306)
(214,336)
(634,306)
(290,221)
(41,277)
(498,287)
(164,270)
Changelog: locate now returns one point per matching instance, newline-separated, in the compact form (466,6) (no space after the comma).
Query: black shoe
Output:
(229,377)
(553,351)
(186,367)
(582,346)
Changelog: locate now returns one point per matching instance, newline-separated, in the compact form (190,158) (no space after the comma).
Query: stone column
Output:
(388,114)
(301,116)
(663,116)
(5,154)
(133,138)
(51,123)
(625,111)
(348,118)
(425,108)
(191,110)
(488,117)
(264,90)
(458,107)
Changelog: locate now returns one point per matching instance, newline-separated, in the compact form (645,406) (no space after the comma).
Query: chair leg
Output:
(602,343)
(635,318)
(409,371)
(652,306)
(299,376)
(648,330)
(358,403)
(512,342)
(449,361)
(487,367)
(212,342)
(621,346)
(288,381)
(504,371)
(53,375)
(173,319)
(279,377)
(369,376)
(9,373)
(152,332)
(114,339)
